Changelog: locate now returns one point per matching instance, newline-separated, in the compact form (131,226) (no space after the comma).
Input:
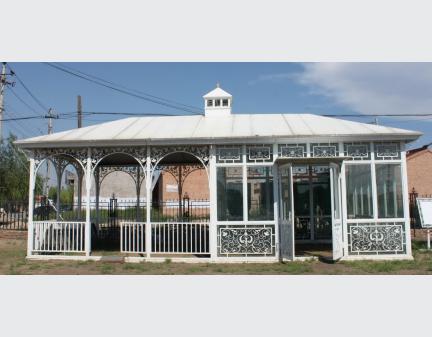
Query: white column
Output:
(148,203)
(213,203)
(138,188)
(80,181)
(30,231)
(58,170)
(97,190)
(88,188)
(405,194)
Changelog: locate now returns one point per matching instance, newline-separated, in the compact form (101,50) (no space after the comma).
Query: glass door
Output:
(337,234)
(286,216)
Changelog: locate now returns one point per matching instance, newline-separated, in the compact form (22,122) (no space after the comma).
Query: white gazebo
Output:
(280,186)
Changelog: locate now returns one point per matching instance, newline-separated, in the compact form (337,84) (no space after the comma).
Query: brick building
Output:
(419,169)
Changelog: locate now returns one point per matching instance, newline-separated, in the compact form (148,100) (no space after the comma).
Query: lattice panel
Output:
(292,150)
(376,239)
(259,153)
(387,151)
(323,150)
(357,151)
(246,240)
(229,154)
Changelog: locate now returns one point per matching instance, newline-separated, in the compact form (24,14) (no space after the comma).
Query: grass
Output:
(13,261)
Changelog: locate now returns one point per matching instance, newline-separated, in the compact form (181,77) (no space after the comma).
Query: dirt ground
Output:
(13,261)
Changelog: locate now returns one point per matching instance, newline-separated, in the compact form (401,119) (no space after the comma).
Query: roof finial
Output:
(217,84)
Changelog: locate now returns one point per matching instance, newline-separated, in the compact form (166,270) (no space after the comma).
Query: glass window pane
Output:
(389,190)
(260,193)
(229,194)
(359,191)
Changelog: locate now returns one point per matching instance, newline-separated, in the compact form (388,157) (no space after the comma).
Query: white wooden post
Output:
(88,188)
(30,231)
(213,204)
(148,203)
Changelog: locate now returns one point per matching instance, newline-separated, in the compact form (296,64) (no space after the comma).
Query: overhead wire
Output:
(38,101)
(153,100)
(127,88)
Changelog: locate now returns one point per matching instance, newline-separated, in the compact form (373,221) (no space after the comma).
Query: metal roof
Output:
(217,93)
(223,129)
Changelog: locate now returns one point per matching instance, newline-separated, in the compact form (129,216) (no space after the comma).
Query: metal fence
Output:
(414,214)
(59,236)
(14,215)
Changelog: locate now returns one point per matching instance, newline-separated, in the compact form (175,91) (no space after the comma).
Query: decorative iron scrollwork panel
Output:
(357,151)
(385,238)
(292,151)
(256,240)
(200,151)
(229,154)
(387,151)
(324,150)
(137,152)
(259,153)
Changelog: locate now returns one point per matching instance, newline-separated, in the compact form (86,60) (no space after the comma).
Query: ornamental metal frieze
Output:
(386,238)
(357,151)
(180,172)
(385,151)
(259,153)
(292,151)
(246,240)
(229,154)
(324,150)
(135,172)
(137,152)
(79,154)
(202,152)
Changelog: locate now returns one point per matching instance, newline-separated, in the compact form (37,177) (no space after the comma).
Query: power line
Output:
(44,108)
(156,101)
(128,88)
(22,101)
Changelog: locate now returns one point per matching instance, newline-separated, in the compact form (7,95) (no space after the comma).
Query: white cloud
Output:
(368,88)
(273,78)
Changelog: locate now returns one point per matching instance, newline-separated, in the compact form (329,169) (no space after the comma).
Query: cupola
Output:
(217,102)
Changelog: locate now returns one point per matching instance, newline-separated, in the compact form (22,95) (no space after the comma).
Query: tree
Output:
(66,195)
(14,173)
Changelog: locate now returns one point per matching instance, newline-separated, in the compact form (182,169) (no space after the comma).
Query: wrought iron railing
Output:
(166,238)
(14,215)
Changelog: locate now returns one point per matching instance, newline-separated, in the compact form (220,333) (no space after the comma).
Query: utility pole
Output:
(79,111)
(3,84)
(50,130)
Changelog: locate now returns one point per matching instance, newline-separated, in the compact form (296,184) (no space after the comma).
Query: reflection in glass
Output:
(260,193)
(389,190)
(359,191)
(229,194)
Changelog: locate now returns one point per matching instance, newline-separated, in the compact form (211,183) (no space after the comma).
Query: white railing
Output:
(58,236)
(132,237)
(180,238)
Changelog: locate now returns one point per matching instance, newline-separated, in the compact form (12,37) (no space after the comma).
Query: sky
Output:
(319,88)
